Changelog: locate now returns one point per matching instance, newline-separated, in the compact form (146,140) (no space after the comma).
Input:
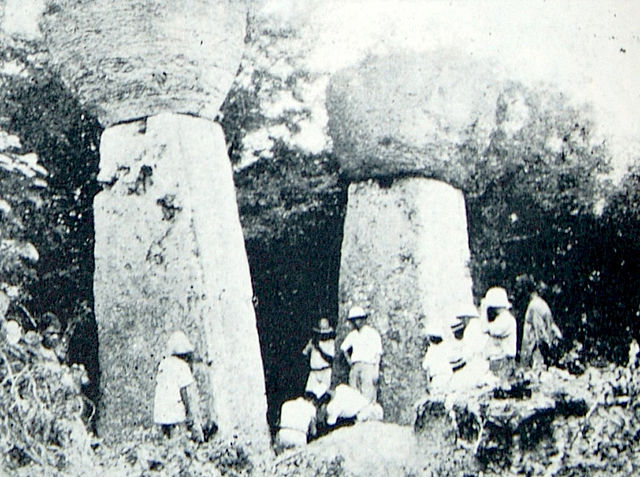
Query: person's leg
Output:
(353,375)
(369,381)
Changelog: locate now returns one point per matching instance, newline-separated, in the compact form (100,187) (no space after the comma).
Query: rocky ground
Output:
(541,423)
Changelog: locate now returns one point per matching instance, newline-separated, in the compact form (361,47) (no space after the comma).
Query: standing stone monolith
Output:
(169,250)
(404,258)
(396,124)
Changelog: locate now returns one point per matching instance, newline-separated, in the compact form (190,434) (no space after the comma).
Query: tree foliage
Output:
(48,183)
(535,209)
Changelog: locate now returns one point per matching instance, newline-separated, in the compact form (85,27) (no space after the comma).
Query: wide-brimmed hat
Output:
(357,312)
(324,327)
(467,310)
(434,328)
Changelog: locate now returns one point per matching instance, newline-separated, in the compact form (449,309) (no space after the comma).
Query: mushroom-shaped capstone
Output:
(129,59)
(406,114)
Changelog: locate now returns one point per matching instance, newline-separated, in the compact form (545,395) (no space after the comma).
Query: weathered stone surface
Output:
(170,254)
(136,58)
(407,114)
(502,431)
(404,258)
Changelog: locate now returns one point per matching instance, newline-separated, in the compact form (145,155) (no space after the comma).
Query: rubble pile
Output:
(544,422)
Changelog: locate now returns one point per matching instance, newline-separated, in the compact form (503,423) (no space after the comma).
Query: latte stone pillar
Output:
(404,258)
(169,249)
(396,122)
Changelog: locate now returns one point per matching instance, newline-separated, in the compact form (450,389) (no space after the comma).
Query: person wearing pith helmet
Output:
(362,348)
(175,404)
(474,336)
(502,330)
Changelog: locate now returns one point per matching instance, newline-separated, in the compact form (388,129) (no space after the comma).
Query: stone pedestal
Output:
(170,254)
(404,258)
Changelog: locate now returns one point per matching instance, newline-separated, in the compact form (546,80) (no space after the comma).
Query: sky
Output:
(589,50)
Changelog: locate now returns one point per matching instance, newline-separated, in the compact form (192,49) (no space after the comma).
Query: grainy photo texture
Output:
(319,238)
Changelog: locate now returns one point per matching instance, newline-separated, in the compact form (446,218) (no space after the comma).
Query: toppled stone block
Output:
(500,433)
(169,254)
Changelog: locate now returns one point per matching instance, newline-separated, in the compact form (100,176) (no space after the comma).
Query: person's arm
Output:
(312,427)
(379,348)
(346,348)
(307,348)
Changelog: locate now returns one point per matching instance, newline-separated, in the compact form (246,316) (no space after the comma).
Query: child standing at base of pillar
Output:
(176,397)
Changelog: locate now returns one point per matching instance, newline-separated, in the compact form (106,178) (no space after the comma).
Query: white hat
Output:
(467,309)
(179,343)
(434,328)
(496,297)
(356,312)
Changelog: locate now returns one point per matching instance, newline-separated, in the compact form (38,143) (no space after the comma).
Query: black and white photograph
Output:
(254,238)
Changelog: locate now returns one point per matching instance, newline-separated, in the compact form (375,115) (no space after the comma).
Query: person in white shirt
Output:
(502,329)
(474,335)
(321,350)
(176,398)
(362,349)
(436,360)
(349,403)
(469,365)
(297,422)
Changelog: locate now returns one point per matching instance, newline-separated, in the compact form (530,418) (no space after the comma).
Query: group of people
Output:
(46,340)
(362,350)
(479,347)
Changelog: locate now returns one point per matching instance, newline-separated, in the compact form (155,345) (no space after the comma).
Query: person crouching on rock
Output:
(321,350)
(297,422)
(348,405)
(176,397)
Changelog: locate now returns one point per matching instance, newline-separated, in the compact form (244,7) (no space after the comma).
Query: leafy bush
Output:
(41,407)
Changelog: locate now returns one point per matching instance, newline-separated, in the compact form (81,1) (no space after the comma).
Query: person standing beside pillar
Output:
(362,349)
(321,350)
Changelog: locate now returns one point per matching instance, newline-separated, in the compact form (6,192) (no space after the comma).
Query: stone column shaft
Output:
(404,257)
(169,255)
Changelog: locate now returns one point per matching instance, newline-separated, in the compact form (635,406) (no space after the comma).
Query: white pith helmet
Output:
(496,297)
(434,328)
(179,343)
(467,309)
(14,332)
(356,312)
